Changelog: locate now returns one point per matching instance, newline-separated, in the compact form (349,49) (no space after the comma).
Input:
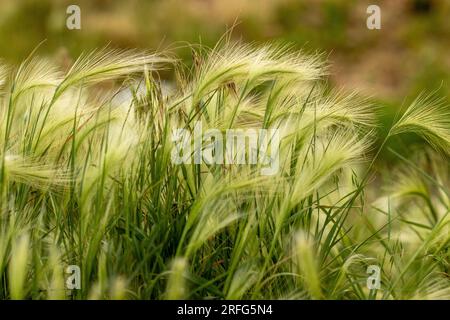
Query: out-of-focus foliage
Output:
(409,53)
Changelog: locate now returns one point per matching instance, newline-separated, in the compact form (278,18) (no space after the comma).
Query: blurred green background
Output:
(410,53)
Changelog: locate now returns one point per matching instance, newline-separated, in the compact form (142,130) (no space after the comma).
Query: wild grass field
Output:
(87,179)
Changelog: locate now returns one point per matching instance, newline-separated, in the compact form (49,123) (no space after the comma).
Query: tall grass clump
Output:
(86,179)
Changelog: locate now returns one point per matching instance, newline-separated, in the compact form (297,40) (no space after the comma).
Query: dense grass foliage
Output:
(87,179)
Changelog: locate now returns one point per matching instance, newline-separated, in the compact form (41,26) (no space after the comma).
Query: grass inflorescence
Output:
(86,179)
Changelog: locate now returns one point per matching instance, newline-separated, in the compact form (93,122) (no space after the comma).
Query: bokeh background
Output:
(410,53)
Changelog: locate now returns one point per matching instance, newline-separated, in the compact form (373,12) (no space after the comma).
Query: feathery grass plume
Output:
(407,185)
(18,267)
(434,288)
(95,292)
(407,182)
(307,265)
(35,73)
(216,214)
(108,64)
(176,283)
(118,139)
(4,72)
(243,279)
(429,117)
(118,290)
(343,273)
(342,108)
(424,177)
(241,62)
(320,108)
(34,174)
(441,170)
(56,289)
(343,149)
